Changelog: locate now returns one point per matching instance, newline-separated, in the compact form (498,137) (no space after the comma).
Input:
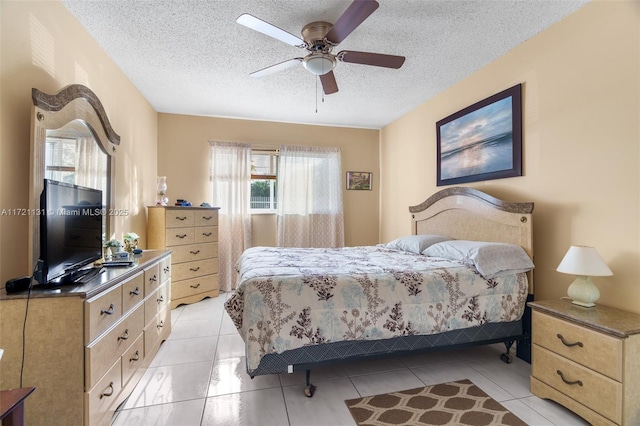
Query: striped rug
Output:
(453,403)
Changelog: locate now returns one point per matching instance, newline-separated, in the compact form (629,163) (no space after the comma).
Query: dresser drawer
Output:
(177,218)
(100,400)
(132,359)
(590,348)
(156,302)
(102,353)
(194,286)
(158,329)
(199,268)
(151,279)
(601,394)
(206,234)
(132,292)
(101,312)
(165,269)
(206,217)
(194,252)
(180,236)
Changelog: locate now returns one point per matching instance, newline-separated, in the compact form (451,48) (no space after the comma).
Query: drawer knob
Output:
(154,278)
(569,382)
(166,269)
(207,217)
(181,217)
(135,356)
(125,335)
(160,299)
(108,393)
(181,235)
(195,286)
(194,251)
(196,269)
(108,311)
(135,292)
(161,325)
(207,234)
(564,342)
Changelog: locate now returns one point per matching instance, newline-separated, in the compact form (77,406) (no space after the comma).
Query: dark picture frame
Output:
(482,141)
(360,180)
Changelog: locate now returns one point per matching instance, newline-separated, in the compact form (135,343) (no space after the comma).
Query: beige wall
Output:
(183,156)
(44,46)
(581,138)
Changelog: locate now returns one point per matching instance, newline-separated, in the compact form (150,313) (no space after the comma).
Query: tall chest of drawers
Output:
(86,347)
(587,359)
(192,235)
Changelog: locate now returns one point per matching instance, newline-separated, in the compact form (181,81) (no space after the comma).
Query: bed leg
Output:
(309,388)
(507,357)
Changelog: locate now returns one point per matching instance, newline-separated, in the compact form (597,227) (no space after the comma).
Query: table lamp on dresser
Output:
(583,262)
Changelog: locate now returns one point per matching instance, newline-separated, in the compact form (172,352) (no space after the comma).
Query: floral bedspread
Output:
(292,297)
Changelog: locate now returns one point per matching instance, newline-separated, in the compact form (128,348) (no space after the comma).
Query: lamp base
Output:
(582,292)
(583,304)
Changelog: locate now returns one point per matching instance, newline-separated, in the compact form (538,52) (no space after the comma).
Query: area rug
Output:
(453,403)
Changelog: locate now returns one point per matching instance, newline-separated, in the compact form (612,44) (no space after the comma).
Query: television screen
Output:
(70,231)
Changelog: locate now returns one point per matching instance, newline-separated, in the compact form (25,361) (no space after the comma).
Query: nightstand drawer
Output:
(601,394)
(590,348)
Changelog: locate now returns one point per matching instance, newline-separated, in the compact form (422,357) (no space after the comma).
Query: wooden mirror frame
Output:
(73,102)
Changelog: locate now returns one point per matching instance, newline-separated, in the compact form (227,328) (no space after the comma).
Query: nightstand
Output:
(588,360)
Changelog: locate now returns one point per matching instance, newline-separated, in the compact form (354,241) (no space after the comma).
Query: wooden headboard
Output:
(468,214)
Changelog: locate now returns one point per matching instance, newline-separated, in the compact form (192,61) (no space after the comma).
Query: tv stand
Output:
(86,346)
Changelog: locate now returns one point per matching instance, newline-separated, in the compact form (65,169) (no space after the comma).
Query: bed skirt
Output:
(307,357)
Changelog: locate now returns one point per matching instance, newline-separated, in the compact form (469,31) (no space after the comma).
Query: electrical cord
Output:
(24,324)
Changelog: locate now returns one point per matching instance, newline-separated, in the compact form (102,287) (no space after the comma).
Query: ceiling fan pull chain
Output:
(317,78)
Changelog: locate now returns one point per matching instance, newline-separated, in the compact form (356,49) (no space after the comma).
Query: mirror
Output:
(71,141)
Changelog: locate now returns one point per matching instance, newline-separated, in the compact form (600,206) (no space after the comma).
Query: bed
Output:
(461,278)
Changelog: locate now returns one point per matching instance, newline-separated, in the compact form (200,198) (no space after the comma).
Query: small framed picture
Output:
(359,180)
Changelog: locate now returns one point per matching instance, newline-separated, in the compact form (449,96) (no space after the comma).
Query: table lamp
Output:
(583,262)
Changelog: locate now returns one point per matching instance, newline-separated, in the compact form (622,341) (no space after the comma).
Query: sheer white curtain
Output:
(230,171)
(309,197)
(91,165)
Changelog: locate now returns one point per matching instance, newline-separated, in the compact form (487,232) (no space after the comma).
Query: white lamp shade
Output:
(585,261)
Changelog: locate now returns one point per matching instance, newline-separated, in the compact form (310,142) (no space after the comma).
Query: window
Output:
(60,158)
(264,173)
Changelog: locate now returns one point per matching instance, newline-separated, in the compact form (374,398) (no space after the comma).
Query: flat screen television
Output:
(70,231)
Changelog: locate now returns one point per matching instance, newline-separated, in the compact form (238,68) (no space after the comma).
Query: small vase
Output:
(161,191)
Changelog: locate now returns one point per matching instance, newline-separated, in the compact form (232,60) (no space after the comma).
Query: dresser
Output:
(192,235)
(587,359)
(86,346)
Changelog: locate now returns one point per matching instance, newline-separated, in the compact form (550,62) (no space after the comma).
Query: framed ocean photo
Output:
(483,141)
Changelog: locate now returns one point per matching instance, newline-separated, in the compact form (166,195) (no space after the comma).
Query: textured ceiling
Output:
(191,57)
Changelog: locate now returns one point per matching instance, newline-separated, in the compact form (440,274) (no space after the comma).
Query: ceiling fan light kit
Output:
(319,63)
(319,38)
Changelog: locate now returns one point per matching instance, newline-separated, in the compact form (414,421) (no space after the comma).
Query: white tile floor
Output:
(198,378)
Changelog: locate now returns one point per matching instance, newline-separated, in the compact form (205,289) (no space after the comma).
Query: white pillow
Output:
(490,259)
(415,243)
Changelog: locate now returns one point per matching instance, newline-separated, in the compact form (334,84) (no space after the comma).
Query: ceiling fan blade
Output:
(356,13)
(329,84)
(266,28)
(366,58)
(276,68)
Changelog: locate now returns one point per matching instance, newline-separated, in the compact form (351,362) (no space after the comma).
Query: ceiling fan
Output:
(319,38)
